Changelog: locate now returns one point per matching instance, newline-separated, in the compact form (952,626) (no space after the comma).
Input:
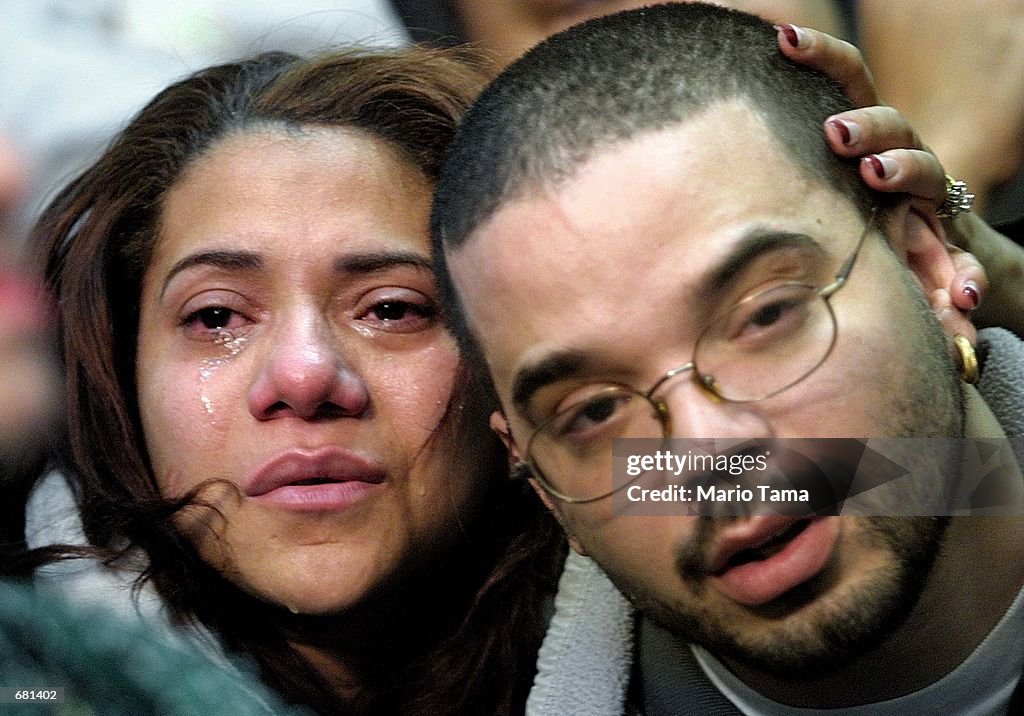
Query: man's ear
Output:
(917,237)
(499,424)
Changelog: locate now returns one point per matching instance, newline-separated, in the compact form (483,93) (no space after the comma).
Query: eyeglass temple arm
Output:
(847,267)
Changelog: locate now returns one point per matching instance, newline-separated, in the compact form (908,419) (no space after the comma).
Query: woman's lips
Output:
(793,550)
(321,480)
(328,497)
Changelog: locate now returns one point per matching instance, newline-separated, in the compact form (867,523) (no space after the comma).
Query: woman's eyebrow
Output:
(227,260)
(365,262)
(374,261)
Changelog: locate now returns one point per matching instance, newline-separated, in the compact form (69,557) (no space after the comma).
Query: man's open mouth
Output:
(762,558)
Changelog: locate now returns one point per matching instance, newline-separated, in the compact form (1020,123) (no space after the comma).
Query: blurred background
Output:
(73,71)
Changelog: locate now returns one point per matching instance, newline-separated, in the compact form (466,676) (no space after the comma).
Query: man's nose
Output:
(696,412)
(304,373)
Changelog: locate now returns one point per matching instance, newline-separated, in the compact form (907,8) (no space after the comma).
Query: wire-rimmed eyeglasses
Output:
(764,344)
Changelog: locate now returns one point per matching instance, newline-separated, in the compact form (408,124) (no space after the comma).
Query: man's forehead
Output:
(723,157)
(662,206)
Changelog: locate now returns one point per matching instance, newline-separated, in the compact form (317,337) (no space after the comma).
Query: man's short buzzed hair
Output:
(614,78)
(619,76)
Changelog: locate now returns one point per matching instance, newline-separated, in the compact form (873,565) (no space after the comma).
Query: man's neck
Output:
(975,578)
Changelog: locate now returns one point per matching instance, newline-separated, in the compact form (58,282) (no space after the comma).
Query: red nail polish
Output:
(876,165)
(972,295)
(789,32)
(844,131)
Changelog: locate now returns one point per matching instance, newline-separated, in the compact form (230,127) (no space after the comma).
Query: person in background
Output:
(956,70)
(77,69)
(29,379)
(506,29)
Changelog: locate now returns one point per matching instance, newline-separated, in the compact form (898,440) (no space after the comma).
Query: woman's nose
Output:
(305,374)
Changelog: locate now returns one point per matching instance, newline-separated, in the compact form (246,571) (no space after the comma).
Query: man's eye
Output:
(597,411)
(770,314)
(778,314)
(589,419)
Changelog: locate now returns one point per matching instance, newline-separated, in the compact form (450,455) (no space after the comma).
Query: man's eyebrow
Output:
(550,369)
(750,247)
(566,364)
(375,261)
(223,259)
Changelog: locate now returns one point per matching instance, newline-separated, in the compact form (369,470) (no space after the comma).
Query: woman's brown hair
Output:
(469,643)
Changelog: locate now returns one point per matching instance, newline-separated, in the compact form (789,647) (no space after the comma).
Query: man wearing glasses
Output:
(642,235)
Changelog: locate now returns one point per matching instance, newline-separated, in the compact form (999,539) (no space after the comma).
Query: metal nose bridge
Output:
(668,375)
(707,383)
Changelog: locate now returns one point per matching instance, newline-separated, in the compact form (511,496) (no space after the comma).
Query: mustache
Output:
(693,557)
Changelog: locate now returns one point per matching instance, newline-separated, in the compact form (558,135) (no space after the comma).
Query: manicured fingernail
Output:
(849,132)
(795,36)
(883,167)
(970,290)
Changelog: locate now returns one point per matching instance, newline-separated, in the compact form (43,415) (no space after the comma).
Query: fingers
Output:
(837,58)
(871,129)
(909,171)
(970,282)
(950,318)
(964,294)
(894,157)
(951,305)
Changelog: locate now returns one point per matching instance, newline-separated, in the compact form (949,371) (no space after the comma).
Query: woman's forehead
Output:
(296,194)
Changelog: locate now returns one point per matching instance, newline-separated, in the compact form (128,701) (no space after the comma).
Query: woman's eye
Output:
(398,310)
(215,317)
(214,320)
(399,314)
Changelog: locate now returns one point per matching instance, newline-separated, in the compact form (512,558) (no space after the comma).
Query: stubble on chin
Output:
(815,629)
(832,620)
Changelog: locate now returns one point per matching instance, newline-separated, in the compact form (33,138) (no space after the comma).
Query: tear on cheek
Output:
(210,367)
(207,369)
